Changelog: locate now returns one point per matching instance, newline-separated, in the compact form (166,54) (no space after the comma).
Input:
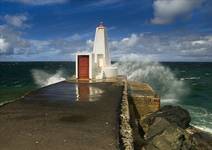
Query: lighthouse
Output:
(96,64)
(100,47)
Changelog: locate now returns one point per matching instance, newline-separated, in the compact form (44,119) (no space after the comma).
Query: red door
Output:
(83,67)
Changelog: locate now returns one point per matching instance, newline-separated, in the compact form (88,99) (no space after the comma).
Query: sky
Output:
(54,30)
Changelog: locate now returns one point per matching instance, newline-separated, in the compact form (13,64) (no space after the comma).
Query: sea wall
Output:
(143,97)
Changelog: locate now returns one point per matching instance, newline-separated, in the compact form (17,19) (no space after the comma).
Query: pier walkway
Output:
(63,116)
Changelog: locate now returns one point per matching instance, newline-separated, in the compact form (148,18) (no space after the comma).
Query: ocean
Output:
(188,84)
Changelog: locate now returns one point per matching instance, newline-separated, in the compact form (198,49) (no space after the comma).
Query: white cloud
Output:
(3,45)
(166,47)
(39,2)
(161,47)
(16,20)
(15,43)
(166,11)
(14,47)
(198,42)
(130,41)
(89,43)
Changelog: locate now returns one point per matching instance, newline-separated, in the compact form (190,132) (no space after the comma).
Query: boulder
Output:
(177,115)
(202,140)
(159,125)
(172,138)
(163,135)
(173,114)
(164,129)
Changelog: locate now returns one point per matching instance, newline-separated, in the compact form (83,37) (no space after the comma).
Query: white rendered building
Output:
(97,64)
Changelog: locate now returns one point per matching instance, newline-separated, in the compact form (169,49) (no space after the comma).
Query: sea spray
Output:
(142,69)
(164,81)
(43,78)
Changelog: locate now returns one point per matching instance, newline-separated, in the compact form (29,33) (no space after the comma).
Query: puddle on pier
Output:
(86,92)
(65,92)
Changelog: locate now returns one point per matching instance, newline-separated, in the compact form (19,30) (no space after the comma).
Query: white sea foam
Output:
(207,74)
(169,101)
(201,118)
(43,78)
(203,128)
(141,69)
(190,78)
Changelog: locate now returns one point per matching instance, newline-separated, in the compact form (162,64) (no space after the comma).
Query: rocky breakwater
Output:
(169,128)
(166,128)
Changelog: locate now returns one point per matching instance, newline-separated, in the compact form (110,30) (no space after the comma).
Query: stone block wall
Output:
(144,98)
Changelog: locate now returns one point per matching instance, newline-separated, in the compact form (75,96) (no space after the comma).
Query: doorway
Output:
(83,67)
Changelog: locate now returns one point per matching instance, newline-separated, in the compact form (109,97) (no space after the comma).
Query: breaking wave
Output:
(201,118)
(42,78)
(141,69)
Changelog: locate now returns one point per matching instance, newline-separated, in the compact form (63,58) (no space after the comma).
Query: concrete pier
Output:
(63,116)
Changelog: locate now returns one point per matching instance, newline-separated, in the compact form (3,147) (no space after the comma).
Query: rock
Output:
(172,138)
(177,115)
(149,147)
(159,125)
(173,114)
(202,140)
(164,129)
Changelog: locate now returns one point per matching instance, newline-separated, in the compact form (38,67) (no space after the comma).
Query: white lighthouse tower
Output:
(100,47)
(96,65)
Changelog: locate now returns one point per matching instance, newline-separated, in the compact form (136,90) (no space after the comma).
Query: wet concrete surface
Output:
(63,116)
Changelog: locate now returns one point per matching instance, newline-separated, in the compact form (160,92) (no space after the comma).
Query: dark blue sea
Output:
(185,84)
